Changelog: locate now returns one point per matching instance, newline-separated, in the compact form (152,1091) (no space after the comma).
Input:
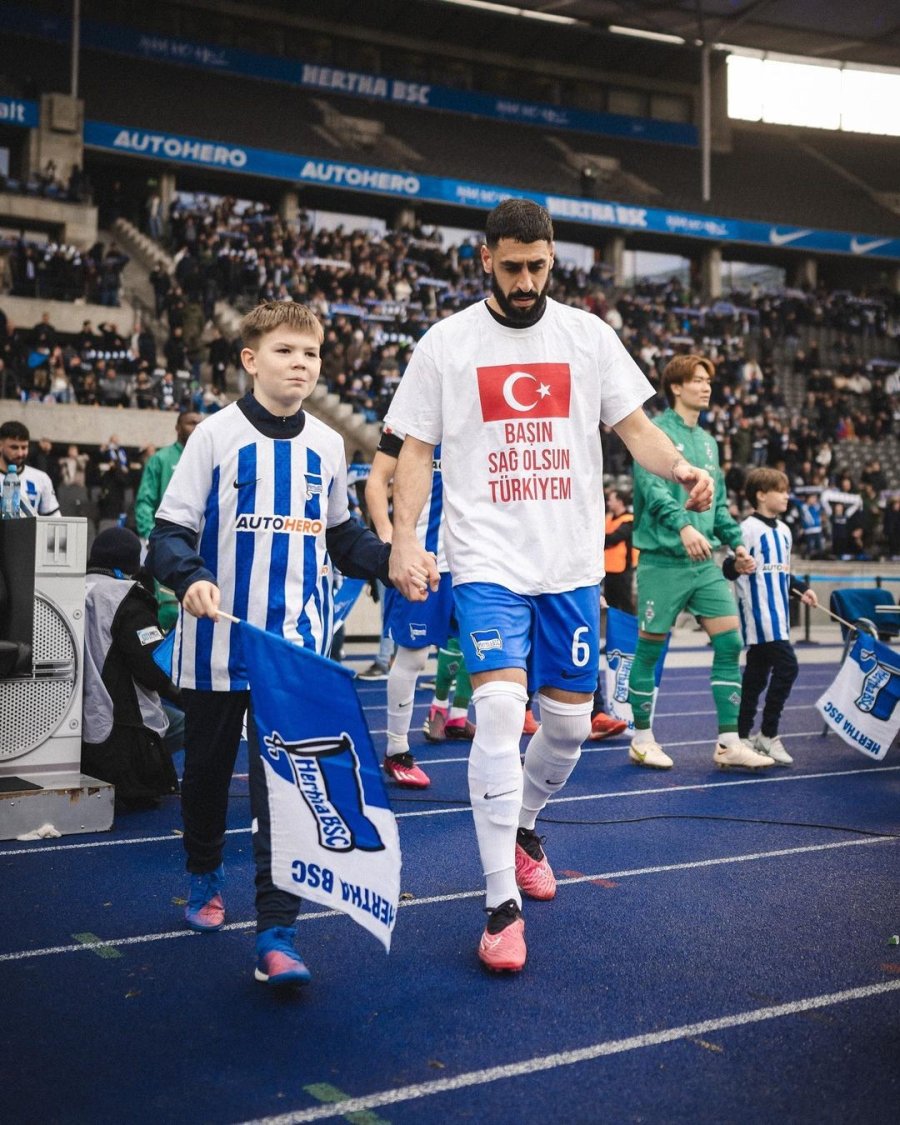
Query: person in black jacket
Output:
(127,738)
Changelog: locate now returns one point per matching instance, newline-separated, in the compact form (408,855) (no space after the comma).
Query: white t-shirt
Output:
(517,412)
(37,488)
(259,508)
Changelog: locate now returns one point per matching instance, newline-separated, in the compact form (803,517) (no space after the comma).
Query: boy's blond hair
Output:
(267,317)
(764,480)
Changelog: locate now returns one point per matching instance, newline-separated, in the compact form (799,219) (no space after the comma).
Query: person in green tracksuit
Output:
(154,482)
(676,571)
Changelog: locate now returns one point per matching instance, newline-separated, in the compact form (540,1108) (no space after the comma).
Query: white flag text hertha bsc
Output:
(334,837)
(863,703)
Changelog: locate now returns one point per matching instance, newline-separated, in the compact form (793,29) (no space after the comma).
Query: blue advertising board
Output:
(351,83)
(19,111)
(298,169)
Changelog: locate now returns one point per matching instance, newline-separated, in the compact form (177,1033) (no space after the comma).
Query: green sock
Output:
(449,662)
(642,680)
(726,678)
(463,692)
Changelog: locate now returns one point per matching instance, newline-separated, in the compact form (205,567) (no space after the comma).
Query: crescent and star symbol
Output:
(509,389)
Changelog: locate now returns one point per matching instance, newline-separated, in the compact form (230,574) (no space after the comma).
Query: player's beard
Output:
(522,317)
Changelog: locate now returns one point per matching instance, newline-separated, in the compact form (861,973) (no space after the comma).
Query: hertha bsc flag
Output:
(621,642)
(862,703)
(334,837)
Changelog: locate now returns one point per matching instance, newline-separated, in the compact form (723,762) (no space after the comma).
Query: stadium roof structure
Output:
(867,31)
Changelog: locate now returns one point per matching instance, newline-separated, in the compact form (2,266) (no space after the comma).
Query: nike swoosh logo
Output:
(777,238)
(408,703)
(245,483)
(547,781)
(857,247)
(491,796)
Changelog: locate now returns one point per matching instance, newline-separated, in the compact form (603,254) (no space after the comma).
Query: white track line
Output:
(661,792)
(603,1049)
(621,793)
(431,900)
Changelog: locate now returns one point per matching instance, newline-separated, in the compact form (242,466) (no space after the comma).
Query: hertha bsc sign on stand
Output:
(621,642)
(334,837)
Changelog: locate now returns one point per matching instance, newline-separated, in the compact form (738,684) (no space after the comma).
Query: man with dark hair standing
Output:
(515,389)
(677,572)
(37,488)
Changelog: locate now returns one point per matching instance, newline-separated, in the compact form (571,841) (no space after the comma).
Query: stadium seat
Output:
(859,606)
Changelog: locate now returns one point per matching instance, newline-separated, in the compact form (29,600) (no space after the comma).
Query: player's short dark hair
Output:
(273,314)
(764,480)
(680,368)
(520,219)
(14,430)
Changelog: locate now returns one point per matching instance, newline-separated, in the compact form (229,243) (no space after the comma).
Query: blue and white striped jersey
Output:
(430,528)
(37,488)
(430,525)
(260,508)
(764,596)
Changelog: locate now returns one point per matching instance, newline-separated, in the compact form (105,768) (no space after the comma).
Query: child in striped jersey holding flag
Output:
(764,611)
(253,523)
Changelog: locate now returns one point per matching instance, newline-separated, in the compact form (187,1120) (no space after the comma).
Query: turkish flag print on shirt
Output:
(524,390)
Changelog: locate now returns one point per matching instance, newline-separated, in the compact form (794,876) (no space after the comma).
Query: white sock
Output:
(552,754)
(729,738)
(458,713)
(495,784)
(401,690)
(641,736)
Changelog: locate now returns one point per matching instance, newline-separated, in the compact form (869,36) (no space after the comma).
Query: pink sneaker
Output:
(403,769)
(434,726)
(459,730)
(534,875)
(205,910)
(502,945)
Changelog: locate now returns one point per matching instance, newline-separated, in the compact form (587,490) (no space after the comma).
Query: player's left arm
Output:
(725,526)
(654,451)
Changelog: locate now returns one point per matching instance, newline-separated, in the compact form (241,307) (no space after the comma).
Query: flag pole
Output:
(849,624)
(227,616)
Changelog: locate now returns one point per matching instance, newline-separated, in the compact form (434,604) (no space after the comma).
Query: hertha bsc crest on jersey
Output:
(326,771)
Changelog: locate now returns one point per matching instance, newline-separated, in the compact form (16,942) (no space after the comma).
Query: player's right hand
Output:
(201,599)
(413,570)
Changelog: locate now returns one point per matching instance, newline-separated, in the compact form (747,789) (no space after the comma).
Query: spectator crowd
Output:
(377,293)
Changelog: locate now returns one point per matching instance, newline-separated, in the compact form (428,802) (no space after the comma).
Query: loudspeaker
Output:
(43,562)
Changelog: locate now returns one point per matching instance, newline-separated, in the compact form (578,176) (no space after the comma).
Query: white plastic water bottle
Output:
(10,501)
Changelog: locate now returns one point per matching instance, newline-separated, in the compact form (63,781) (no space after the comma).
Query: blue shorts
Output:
(420,624)
(554,637)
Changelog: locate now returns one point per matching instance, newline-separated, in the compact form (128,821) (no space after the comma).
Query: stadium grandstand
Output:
(396,163)
(165,167)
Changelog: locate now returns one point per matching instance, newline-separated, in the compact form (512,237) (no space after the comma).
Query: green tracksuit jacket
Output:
(659,511)
(154,482)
